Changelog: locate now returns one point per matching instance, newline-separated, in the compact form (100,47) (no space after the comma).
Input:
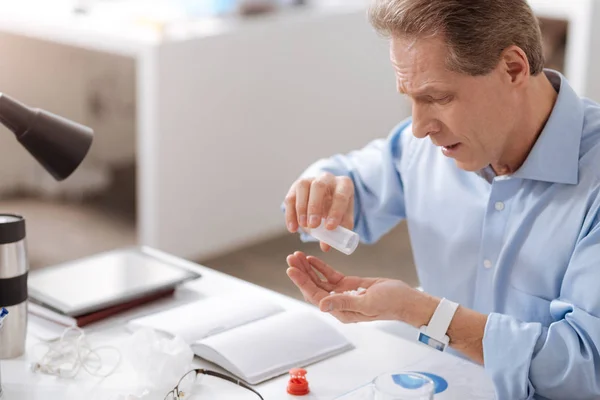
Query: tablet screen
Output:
(97,282)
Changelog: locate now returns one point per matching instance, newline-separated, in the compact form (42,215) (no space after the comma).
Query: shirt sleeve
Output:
(561,361)
(379,192)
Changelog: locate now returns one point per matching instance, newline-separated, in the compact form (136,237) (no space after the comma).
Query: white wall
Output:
(244,113)
(92,88)
(225,122)
(31,71)
(593,51)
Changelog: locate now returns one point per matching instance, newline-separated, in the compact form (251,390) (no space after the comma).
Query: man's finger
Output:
(348,219)
(298,260)
(309,289)
(302,189)
(291,218)
(329,273)
(348,317)
(342,302)
(325,247)
(319,189)
(342,195)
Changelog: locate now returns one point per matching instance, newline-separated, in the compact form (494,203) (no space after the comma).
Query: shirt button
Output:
(487,264)
(499,206)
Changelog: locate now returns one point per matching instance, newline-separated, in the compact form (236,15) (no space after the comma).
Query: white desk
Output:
(375,352)
(220,105)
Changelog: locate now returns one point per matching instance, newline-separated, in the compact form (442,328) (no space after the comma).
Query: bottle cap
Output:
(297,385)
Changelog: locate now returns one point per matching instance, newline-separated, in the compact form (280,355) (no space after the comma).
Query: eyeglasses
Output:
(185,387)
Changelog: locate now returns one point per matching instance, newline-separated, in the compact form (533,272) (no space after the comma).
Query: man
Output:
(498,176)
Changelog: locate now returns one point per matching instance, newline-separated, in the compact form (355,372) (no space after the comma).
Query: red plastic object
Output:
(297,385)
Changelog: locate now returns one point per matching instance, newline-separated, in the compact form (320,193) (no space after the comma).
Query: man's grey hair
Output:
(476,31)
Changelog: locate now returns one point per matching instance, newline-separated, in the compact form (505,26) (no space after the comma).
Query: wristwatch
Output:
(434,334)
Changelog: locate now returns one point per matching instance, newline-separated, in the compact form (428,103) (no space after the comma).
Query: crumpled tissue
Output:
(159,361)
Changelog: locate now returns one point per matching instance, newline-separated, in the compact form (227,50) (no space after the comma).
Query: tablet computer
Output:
(107,279)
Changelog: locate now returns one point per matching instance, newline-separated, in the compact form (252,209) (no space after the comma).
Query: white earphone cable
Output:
(69,355)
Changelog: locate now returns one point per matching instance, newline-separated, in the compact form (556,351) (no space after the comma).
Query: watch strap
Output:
(440,321)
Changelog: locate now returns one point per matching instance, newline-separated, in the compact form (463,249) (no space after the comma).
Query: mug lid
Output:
(12,228)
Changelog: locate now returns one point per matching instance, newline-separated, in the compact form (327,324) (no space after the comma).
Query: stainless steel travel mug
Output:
(14,267)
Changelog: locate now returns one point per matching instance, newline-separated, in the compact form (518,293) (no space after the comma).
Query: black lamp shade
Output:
(58,144)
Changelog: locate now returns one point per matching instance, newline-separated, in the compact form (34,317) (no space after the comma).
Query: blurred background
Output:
(205,112)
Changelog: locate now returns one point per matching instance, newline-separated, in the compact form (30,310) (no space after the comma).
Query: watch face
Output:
(429,341)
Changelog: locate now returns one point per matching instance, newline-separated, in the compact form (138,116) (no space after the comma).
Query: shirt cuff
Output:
(508,346)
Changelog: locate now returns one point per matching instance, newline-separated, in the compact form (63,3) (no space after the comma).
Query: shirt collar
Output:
(555,155)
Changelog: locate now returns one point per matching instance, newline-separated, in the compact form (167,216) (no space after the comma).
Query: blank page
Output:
(270,347)
(208,317)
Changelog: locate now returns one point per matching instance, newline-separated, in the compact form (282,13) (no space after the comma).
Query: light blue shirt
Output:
(524,248)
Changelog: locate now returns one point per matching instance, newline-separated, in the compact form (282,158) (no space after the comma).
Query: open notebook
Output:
(252,338)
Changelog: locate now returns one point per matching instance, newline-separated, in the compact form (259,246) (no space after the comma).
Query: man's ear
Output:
(514,64)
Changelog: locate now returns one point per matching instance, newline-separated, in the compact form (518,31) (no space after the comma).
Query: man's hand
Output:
(309,200)
(384,299)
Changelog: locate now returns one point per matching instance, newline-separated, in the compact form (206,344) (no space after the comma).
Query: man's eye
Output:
(444,100)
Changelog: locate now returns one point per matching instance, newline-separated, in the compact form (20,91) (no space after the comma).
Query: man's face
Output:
(468,117)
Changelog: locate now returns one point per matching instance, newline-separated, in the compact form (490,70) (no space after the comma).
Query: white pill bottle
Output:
(341,239)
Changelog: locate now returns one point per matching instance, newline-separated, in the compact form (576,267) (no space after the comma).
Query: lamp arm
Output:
(15,115)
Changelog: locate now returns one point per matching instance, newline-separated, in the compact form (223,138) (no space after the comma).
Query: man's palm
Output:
(378,302)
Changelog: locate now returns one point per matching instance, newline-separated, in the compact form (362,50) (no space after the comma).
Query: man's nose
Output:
(423,123)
